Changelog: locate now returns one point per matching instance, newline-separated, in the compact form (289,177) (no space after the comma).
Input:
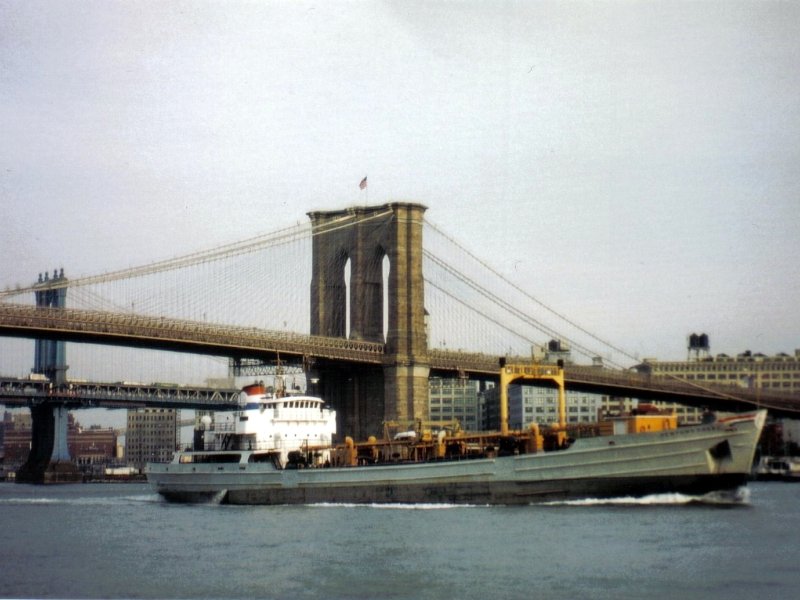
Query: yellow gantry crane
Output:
(509,373)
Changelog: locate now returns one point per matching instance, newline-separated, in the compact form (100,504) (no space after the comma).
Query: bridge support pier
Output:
(49,461)
(406,392)
(357,394)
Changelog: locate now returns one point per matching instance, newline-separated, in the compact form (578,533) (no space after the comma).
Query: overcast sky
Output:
(634,164)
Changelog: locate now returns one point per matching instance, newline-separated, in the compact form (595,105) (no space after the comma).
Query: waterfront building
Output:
(536,404)
(456,399)
(16,438)
(152,435)
(528,404)
(91,448)
(780,372)
(748,370)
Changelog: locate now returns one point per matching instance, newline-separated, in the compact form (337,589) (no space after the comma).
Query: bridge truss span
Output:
(82,394)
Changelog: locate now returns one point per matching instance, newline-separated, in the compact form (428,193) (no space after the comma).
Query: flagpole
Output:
(363,185)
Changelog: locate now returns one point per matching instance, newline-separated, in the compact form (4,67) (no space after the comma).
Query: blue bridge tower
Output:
(49,460)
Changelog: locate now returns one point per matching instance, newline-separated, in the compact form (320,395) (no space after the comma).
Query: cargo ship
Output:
(277,449)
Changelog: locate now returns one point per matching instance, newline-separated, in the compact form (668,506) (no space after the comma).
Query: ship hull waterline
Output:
(470,494)
(692,461)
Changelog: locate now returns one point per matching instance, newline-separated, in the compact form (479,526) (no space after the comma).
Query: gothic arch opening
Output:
(346,276)
(386,267)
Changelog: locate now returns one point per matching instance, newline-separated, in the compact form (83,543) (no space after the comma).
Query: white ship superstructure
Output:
(278,422)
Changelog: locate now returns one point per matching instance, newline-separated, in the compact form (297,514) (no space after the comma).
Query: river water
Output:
(122,541)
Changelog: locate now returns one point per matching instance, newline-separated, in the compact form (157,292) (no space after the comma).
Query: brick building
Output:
(87,446)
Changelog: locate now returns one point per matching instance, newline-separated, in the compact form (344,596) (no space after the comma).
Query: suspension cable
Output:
(530,297)
(268,240)
(506,306)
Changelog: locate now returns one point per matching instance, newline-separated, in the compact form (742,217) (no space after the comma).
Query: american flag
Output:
(363,183)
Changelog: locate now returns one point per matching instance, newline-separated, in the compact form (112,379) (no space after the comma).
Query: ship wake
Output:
(392,506)
(722,499)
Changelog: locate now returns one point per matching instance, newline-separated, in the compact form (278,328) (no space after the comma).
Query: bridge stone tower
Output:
(49,460)
(49,355)
(365,397)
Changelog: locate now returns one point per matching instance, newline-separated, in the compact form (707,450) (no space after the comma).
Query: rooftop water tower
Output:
(698,346)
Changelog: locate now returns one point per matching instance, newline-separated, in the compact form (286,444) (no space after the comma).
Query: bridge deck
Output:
(204,338)
(125,329)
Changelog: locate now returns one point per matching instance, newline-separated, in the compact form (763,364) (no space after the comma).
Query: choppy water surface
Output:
(122,541)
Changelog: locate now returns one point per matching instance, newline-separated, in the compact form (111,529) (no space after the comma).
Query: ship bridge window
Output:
(261,457)
(216,458)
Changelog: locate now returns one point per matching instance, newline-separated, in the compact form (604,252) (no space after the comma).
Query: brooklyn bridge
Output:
(353,298)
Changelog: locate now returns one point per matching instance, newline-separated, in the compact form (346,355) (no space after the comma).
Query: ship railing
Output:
(223,427)
(237,445)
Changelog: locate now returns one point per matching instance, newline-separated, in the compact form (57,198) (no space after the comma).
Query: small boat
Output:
(778,468)
(277,449)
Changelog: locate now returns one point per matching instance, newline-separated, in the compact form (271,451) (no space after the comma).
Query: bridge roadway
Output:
(161,333)
(132,330)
